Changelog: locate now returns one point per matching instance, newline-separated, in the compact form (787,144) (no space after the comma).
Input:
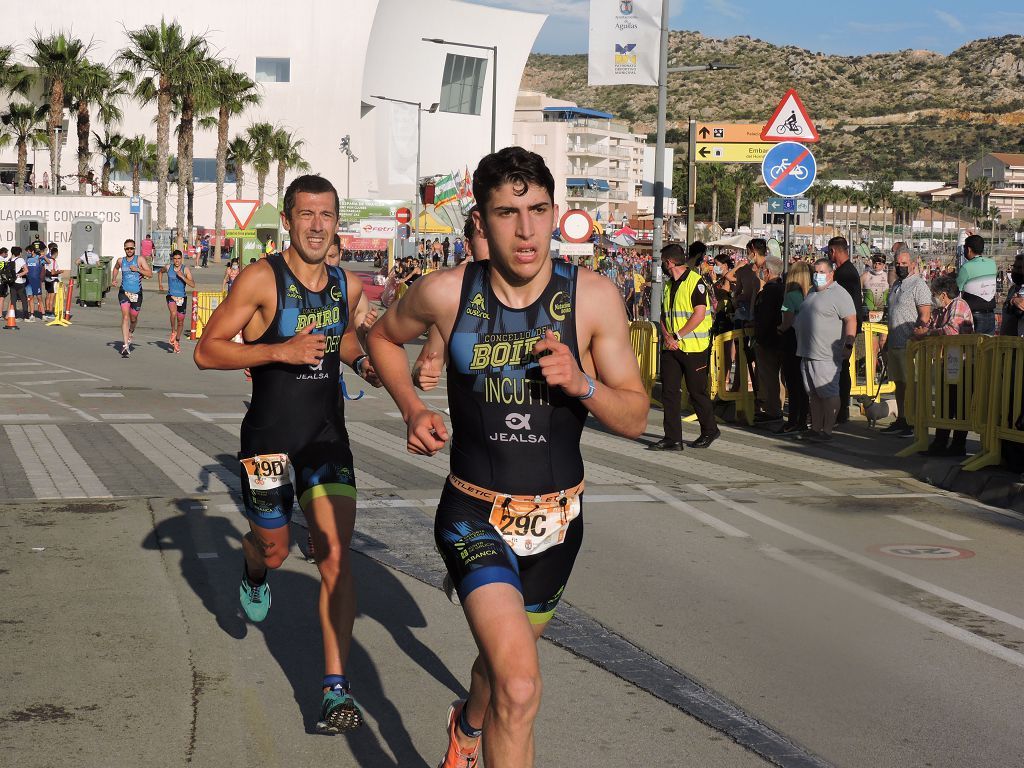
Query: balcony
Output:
(592,150)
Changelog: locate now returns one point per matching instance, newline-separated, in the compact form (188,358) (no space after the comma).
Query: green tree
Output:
(163,56)
(108,145)
(95,85)
(59,59)
(744,177)
(137,156)
(14,78)
(261,143)
(234,92)
(191,95)
(288,155)
(239,156)
(716,176)
(24,124)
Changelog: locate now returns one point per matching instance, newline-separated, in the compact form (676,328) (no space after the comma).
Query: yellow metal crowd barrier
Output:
(950,372)
(725,366)
(1001,392)
(643,335)
(865,360)
(203,304)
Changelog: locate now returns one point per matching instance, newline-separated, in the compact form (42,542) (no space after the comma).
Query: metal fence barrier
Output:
(203,304)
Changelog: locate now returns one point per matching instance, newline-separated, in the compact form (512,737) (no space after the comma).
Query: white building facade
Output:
(319,66)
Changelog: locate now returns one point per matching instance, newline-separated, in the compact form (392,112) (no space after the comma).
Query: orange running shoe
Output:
(455,757)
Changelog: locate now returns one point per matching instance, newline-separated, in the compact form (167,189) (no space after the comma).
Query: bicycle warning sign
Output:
(789,169)
(790,122)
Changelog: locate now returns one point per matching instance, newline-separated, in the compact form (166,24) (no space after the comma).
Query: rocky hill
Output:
(911,114)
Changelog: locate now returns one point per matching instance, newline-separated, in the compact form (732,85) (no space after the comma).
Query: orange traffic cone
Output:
(12,320)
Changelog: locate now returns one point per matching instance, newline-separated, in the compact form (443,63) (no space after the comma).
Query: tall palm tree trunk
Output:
(136,179)
(261,184)
(739,199)
(83,144)
(239,181)
(163,129)
(56,110)
(19,181)
(222,170)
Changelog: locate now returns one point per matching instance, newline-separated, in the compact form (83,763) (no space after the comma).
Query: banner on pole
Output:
(624,40)
(402,144)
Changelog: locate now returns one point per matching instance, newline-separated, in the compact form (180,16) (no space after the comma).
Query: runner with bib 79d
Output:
(534,346)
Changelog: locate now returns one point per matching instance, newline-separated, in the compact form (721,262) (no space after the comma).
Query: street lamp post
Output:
(494,77)
(419,125)
(659,161)
(346,149)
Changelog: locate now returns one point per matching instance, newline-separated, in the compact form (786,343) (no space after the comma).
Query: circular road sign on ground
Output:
(923,551)
(576,226)
(789,169)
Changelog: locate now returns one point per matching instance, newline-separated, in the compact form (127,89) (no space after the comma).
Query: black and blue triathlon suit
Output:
(130,292)
(176,290)
(295,409)
(511,435)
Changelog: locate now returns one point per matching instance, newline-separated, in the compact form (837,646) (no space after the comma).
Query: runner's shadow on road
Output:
(292,630)
(226,469)
(162,345)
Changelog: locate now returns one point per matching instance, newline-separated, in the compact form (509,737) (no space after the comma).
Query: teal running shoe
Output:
(255,600)
(339,712)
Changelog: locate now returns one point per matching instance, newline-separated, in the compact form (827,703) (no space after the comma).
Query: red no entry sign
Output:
(403,215)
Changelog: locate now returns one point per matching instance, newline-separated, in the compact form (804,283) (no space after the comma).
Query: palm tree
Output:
(59,59)
(994,215)
(234,92)
(982,187)
(743,178)
(95,84)
(911,205)
(138,156)
(261,142)
(164,56)
(14,78)
(871,199)
(23,124)
(288,154)
(239,156)
(109,146)
(716,174)
(188,94)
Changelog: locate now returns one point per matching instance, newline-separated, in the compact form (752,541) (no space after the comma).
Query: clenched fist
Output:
(559,366)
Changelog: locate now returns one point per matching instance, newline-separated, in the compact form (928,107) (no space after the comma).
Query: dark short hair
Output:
(52,246)
(725,258)
(674,252)
(176,252)
(129,240)
(337,240)
(314,185)
(3,249)
(511,165)
(878,257)
(16,251)
(469,228)
(697,250)
(840,243)
(976,243)
(945,284)
(758,245)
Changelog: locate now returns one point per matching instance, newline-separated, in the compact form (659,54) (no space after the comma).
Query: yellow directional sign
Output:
(233,233)
(732,133)
(731,153)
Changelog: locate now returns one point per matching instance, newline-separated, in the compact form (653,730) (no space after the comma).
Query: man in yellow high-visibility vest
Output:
(686,320)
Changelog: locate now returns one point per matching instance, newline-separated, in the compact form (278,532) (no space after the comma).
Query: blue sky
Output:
(829,26)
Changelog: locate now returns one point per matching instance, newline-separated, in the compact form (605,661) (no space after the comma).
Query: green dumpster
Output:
(90,285)
(107,264)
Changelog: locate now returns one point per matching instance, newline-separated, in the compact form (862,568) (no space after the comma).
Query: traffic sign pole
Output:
(785,244)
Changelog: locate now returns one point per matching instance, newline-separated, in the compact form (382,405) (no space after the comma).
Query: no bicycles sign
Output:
(789,169)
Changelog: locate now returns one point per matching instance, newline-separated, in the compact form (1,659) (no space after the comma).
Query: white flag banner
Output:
(402,144)
(624,40)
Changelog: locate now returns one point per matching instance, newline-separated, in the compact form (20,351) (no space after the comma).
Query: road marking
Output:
(126,416)
(693,467)
(64,367)
(692,511)
(207,555)
(894,495)
(926,527)
(212,417)
(185,395)
(32,463)
(101,394)
(34,383)
(822,489)
(67,471)
(950,630)
(16,364)
(395,447)
(77,411)
(16,395)
(186,466)
(15,417)
(25,373)
(866,562)
(982,505)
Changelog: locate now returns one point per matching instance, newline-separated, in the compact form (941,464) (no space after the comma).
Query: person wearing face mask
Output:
(910,307)
(1013,308)
(951,316)
(826,330)
(976,281)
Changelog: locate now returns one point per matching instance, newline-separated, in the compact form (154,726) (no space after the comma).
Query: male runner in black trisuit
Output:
(293,312)
(533,346)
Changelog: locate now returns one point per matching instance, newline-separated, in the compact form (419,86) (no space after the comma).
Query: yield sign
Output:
(790,122)
(242,210)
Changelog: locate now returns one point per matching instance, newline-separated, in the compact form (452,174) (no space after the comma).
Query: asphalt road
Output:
(762,602)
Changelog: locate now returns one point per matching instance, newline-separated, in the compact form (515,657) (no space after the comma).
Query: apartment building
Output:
(1005,170)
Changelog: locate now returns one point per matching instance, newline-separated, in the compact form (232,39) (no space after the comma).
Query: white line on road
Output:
(101,394)
(15,417)
(34,383)
(17,395)
(926,527)
(188,468)
(982,505)
(185,394)
(894,495)
(65,368)
(26,373)
(866,562)
(17,364)
(692,511)
(212,417)
(77,411)
(950,630)
(127,416)
(822,489)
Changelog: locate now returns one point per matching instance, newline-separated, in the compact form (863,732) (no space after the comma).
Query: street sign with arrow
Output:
(731,133)
(731,153)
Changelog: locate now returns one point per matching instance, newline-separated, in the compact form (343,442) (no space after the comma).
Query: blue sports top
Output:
(511,432)
(175,284)
(131,282)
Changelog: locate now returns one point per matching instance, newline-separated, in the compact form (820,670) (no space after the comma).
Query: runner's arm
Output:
(426,371)
(620,401)
(253,290)
(144,269)
(352,343)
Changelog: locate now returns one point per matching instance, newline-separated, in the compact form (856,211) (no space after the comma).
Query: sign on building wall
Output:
(624,40)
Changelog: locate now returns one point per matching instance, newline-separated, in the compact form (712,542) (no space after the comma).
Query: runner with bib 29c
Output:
(294,314)
(533,346)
